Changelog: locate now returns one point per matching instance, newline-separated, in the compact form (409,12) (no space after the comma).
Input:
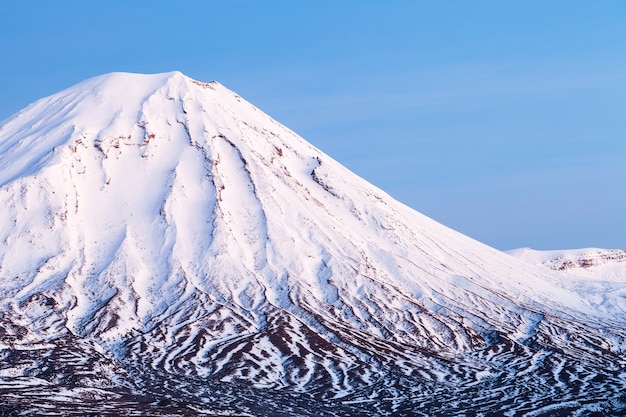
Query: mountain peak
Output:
(123,85)
(94,109)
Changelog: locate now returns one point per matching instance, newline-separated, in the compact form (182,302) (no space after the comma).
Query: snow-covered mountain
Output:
(601,264)
(168,248)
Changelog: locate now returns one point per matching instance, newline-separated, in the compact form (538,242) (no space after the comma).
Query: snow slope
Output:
(187,236)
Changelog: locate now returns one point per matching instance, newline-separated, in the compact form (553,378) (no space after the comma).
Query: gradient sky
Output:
(504,120)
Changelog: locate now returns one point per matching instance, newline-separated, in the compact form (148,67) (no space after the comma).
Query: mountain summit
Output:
(168,247)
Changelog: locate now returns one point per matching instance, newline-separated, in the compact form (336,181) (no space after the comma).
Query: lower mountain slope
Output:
(166,248)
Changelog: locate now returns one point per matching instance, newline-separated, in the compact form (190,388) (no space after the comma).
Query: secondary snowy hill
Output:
(165,245)
(600,264)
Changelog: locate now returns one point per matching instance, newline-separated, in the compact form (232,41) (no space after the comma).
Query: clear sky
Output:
(504,120)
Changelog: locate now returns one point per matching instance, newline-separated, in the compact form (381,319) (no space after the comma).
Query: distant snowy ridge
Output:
(601,264)
(170,233)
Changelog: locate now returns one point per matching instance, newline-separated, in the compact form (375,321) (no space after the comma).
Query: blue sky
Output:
(501,119)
